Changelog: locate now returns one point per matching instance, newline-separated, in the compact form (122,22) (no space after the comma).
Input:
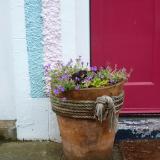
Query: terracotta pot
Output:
(87,139)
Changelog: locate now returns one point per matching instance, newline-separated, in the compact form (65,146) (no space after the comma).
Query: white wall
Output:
(32,113)
(7,107)
(35,119)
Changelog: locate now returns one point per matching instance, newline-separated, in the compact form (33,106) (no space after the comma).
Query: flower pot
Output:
(83,136)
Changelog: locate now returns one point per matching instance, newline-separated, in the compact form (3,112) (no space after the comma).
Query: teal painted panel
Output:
(34,24)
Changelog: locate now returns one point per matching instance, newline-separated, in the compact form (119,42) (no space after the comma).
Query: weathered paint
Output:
(34,46)
(138,128)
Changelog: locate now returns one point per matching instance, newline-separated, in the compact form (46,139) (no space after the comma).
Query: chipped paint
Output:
(138,128)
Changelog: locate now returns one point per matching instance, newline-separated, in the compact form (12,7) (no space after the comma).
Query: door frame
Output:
(75,19)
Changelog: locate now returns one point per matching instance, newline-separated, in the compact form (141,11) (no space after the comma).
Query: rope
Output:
(104,107)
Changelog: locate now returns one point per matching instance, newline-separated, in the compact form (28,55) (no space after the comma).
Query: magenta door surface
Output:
(127,33)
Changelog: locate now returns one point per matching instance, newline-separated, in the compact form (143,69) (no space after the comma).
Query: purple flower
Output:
(112,81)
(89,78)
(77,79)
(94,68)
(56,91)
(47,67)
(61,88)
(64,77)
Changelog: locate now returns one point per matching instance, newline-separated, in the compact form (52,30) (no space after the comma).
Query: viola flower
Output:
(47,66)
(77,79)
(56,91)
(78,75)
(82,74)
(64,77)
(94,69)
(89,78)
(62,89)
(111,81)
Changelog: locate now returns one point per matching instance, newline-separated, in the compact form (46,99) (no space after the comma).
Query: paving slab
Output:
(140,150)
(30,151)
(38,151)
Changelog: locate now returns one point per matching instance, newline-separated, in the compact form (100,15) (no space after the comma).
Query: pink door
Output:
(127,33)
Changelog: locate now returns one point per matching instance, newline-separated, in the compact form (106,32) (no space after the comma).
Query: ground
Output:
(129,150)
(36,151)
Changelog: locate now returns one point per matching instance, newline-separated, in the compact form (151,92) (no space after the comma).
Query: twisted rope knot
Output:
(105,108)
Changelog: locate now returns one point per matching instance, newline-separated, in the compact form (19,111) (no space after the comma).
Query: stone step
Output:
(8,130)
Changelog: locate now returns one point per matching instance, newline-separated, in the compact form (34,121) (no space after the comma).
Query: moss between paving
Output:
(37,151)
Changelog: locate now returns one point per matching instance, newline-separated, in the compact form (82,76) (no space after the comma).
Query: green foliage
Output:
(97,82)
(77,75)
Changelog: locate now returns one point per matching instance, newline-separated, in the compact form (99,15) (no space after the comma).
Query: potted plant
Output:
(87,101)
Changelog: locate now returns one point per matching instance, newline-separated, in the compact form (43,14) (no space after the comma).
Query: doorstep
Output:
(142,127)
(8,130)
